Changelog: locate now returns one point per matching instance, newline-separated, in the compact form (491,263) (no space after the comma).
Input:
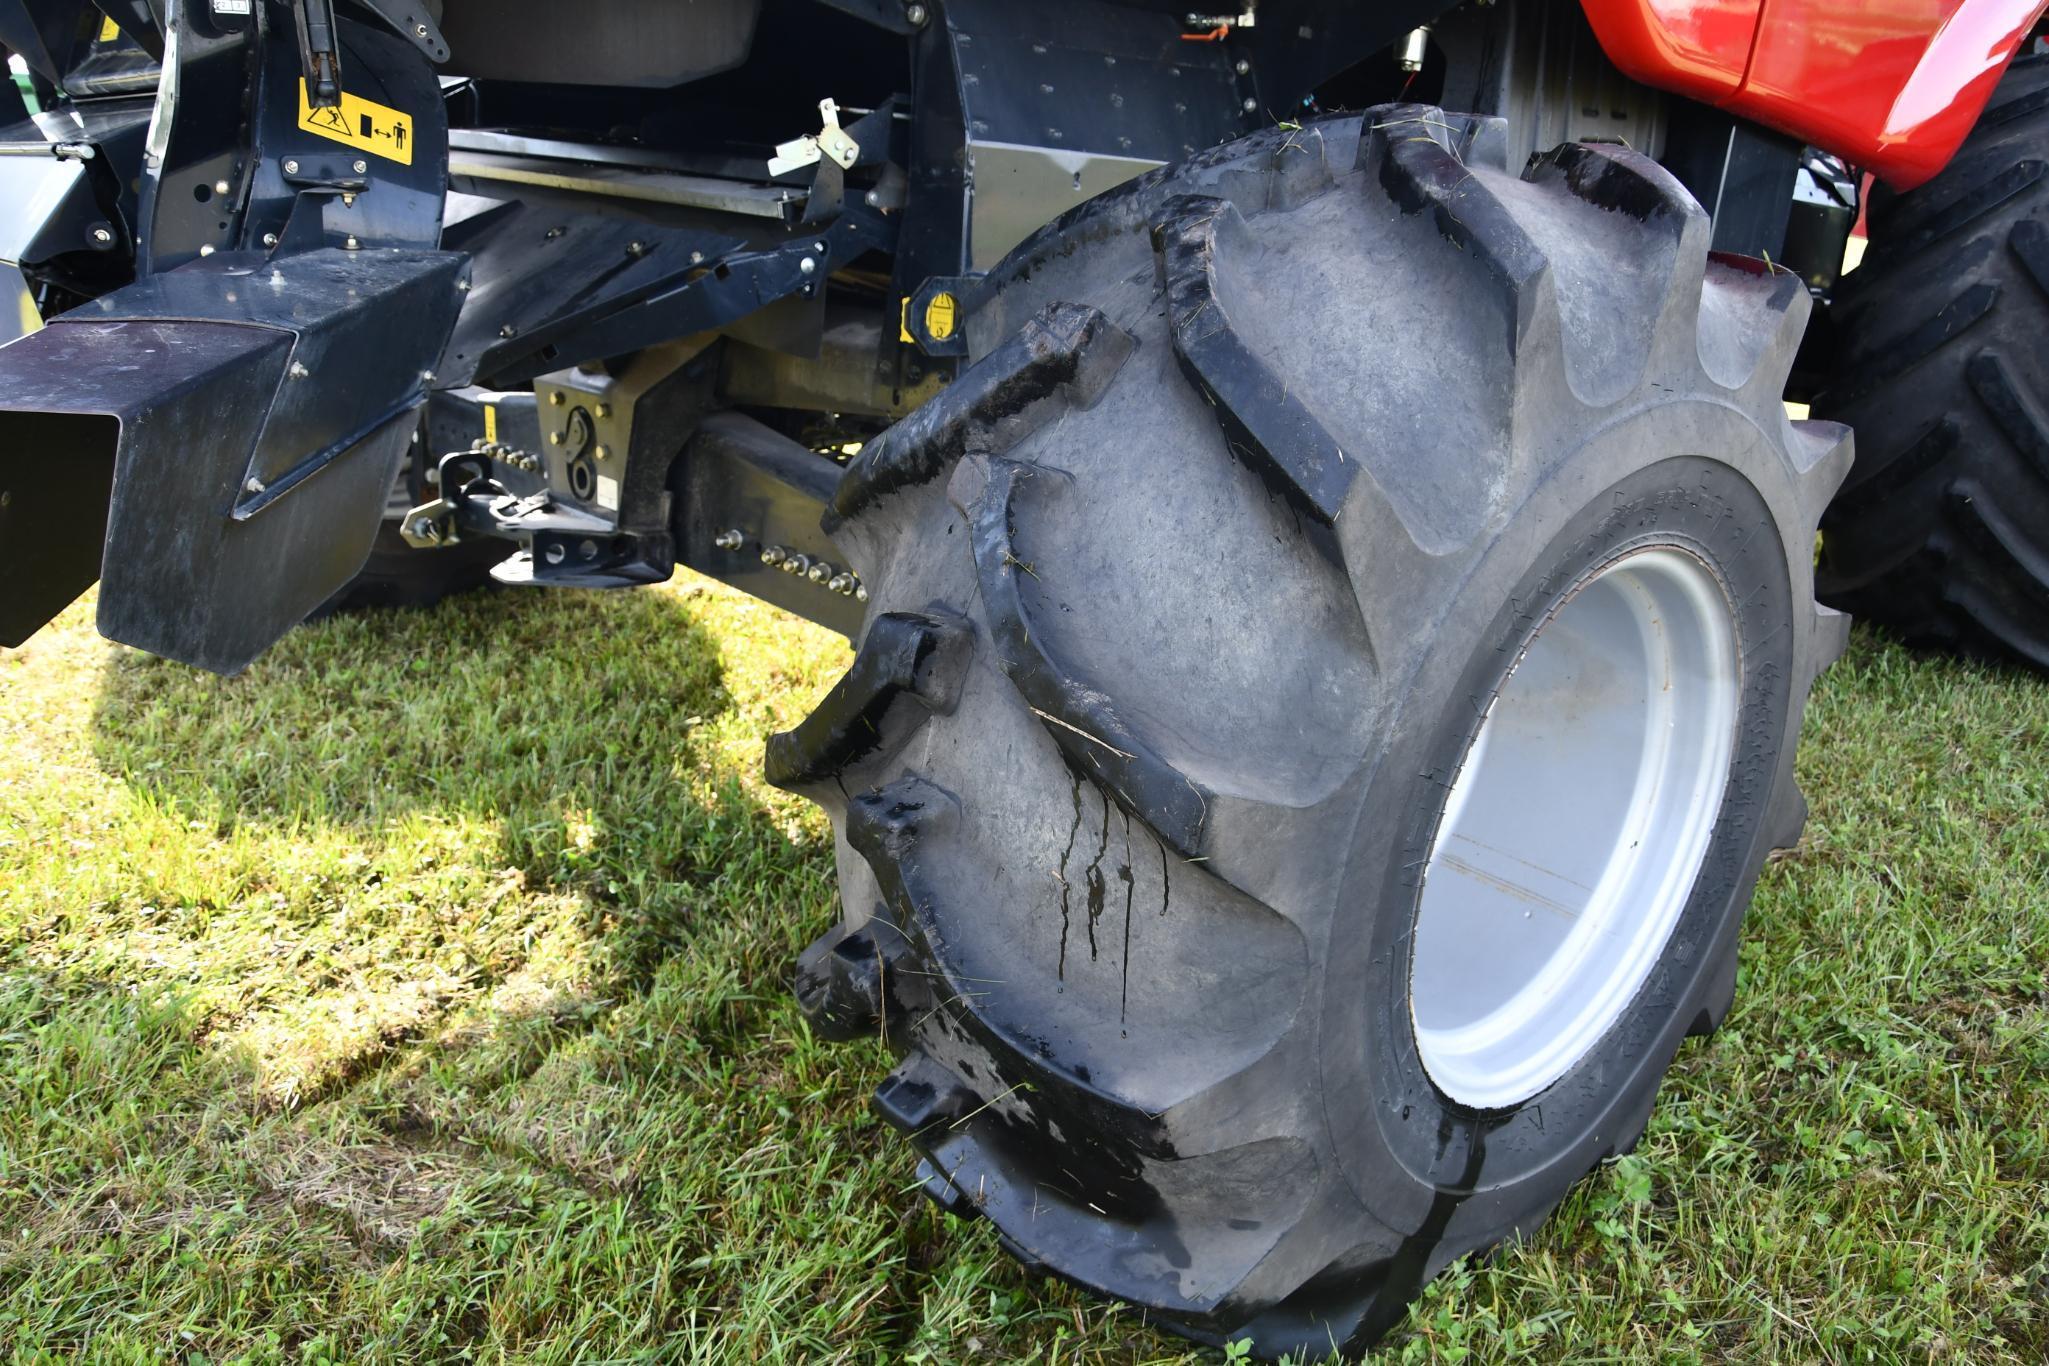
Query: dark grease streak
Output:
(1066,854)
(1124,872)
(1095,876)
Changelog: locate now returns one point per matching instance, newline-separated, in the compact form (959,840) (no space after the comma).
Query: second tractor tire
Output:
(1942,531)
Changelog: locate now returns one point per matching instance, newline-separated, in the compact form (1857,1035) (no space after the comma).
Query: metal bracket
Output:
(830,141)
(412,21)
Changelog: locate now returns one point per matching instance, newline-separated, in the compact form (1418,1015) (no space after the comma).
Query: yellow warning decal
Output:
(491,422)
(903,321)
(109,31)
(939,317)
(362,124)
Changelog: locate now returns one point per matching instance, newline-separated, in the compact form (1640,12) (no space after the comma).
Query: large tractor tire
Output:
(1942,530)
(1332,677)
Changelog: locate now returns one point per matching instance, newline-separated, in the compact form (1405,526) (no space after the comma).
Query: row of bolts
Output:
(821,572)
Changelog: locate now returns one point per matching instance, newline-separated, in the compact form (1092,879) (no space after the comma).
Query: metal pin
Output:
(729,540)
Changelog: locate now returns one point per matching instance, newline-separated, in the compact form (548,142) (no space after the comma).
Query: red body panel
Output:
(1696,48)
(1892,86)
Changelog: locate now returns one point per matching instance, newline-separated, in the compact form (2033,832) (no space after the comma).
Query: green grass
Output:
(420,995)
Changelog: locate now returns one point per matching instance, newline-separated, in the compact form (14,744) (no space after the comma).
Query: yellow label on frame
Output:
(362,124)
(109,31)
(939,316)
(491,422)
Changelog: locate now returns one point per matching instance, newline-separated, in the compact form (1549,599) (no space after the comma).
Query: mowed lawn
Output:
(420,996)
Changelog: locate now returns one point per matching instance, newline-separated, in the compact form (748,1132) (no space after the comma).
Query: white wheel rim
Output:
(1576,828)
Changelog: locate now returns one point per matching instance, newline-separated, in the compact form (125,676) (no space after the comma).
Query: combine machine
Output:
(1332,580)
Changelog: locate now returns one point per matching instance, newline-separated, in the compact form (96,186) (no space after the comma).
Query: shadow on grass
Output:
(390,778)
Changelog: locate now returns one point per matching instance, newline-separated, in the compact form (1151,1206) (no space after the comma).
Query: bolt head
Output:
(270,239)
(508,331)
(1251,104)
(1243,68)
(555,399)
(291,167)
(252,485)
(772,555)
(350,243)
(603,410)
(808,266)
(861,593)
(221,187)
(359,167)
(103,235)
(601,452)
(915,15)
(206,249)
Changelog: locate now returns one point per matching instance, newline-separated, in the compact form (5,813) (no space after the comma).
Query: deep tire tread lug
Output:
(1066,356)
(1081,720)
(915,655)
(1264,424)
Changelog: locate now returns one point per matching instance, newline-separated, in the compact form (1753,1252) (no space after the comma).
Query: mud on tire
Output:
(1189,598)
